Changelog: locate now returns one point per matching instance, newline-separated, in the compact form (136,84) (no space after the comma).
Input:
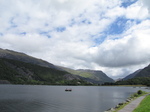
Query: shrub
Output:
(139,92)
(135,95)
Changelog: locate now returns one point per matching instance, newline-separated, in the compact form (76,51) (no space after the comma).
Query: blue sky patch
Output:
(13,25)
(118,26)
(48,36)
(127,3)
(23,33)
(85,21)
(98,39)
(45,34)
(46,24)
(79,20)
(1,34)
(72,22)
(60,29)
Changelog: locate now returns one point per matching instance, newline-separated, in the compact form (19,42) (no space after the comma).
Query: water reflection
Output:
(21,98)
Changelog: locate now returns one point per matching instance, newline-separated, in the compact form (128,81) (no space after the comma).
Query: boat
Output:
(68,90)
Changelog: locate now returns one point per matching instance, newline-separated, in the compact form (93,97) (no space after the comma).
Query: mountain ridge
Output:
(91,76)
(10,54)
(94,76)
(132,75)
(145,72)
(17,72)
(139,77)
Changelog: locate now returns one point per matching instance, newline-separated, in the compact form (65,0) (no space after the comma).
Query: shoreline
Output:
(4,82)
(132,98)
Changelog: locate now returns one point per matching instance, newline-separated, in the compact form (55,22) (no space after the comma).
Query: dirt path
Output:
(132,105)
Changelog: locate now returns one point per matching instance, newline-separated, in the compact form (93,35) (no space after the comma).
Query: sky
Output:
(108,35)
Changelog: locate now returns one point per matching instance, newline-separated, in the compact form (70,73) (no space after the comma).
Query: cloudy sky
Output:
(108,35)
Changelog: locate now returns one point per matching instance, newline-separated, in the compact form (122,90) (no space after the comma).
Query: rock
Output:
(128,100)
(110,110)
(120,103)
(71,77)
(117,106)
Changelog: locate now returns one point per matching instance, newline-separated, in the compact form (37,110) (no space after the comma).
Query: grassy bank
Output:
(144,105)
(132,97)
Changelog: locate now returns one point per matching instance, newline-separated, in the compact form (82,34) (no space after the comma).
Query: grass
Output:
(121,107)
(136,86)
(144,105)
(80,73)
(133,96)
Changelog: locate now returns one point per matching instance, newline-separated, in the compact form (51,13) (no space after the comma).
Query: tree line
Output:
(133,81)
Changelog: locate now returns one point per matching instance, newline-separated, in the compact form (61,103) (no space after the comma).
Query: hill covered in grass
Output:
(18,67)
(139,77)
(17,72)
(93,76)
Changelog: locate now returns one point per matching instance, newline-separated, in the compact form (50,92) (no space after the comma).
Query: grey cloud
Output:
(74,46)
(146,3)
(132,49)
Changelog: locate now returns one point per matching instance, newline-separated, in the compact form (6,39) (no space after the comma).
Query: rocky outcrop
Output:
(71,77)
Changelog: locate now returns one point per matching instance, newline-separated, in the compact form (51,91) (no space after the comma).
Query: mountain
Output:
(18,67)
(145,72)
(140,77)
(93,76)
(17,72)
(9,54)
(132,75)
(96,75)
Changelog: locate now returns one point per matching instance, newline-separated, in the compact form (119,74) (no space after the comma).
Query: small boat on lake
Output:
(68,89)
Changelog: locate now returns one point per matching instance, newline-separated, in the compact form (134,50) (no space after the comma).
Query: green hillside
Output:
(9,54)
(144,72)
(140,77)
(17,72)
(91,75)
(27,69)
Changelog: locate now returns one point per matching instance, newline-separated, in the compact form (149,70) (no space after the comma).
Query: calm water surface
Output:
(27,98)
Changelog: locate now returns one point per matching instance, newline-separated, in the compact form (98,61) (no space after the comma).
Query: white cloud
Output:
(28,43)
(146,3)
(137,11)
(65,32)
(122,71)
(133,48)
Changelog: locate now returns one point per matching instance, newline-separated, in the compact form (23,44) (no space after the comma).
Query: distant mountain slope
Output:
(132,75)
(18,72)
(9,54)
(139,77)
(90,75)
(97,75)
(144,72)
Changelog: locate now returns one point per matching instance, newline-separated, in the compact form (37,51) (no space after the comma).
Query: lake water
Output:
(28,98)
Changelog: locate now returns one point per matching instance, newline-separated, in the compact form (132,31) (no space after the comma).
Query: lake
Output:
(29,98)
